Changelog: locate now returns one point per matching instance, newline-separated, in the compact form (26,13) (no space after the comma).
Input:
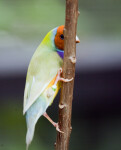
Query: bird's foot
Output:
(65,80)
(52,122)
(57,128)
(59,78)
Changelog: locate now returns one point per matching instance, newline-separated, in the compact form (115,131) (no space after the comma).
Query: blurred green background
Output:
(96,118)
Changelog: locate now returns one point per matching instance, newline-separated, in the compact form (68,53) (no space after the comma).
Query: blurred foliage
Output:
(103,17)
(29,19)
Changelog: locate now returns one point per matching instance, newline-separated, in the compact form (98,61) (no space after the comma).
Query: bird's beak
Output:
(77,39)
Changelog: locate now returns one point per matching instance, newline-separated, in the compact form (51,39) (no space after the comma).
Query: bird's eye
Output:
(62,36)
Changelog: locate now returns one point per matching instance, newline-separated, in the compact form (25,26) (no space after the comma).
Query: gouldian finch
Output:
(43,79)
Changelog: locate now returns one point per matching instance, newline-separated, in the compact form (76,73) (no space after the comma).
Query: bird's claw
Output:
(66,80)
(63,79)
(57,128)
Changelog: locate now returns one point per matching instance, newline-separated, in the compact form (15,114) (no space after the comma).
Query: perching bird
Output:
(42,79)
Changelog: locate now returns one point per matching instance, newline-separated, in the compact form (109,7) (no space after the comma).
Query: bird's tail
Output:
(32,116)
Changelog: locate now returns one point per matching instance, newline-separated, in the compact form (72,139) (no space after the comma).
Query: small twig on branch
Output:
(65,104)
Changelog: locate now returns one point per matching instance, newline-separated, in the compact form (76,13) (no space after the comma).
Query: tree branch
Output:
(65,104)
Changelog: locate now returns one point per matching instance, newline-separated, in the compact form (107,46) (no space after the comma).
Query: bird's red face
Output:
(59,38)
(59,41)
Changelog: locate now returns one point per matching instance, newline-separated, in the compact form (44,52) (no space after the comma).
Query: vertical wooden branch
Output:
(65,104)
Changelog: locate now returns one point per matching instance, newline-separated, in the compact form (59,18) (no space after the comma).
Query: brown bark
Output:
(65,104)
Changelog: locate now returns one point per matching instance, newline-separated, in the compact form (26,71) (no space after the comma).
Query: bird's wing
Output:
(42,69)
